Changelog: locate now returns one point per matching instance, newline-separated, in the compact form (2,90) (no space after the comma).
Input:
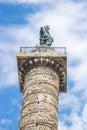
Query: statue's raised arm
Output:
(45,37)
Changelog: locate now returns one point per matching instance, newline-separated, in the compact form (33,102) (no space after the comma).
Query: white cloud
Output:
(77,121)
(84,114)
(11,39)
(71,101)
(62,126)
(16,103)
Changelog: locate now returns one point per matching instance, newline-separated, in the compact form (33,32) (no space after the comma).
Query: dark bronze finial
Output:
(45,37)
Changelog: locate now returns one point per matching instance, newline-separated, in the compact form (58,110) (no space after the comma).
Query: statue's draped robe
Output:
(45,37)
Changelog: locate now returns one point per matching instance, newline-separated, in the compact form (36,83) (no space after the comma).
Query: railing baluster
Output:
(61,50)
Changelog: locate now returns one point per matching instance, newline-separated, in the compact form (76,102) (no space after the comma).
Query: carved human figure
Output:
(45,37)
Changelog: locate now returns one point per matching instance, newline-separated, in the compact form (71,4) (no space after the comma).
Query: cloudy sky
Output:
(20,21)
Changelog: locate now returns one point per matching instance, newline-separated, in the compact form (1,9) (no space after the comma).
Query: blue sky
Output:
(20,21)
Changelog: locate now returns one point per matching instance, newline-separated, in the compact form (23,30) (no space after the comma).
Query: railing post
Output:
(61,50)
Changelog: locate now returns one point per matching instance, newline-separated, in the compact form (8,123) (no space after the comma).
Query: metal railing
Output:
(61,50)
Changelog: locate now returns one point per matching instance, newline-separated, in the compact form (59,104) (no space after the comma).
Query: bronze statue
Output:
(45,37)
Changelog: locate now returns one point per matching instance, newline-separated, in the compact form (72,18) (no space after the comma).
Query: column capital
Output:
(42,57)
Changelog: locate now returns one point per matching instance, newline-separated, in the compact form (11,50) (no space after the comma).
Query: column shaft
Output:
(40,100)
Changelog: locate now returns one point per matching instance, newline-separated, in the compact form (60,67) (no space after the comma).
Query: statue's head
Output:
(47,27)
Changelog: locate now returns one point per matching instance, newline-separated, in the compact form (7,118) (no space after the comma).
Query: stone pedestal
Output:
(42,75)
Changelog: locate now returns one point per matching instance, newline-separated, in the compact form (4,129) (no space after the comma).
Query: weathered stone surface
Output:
(58,64)
(42,75)
(40,100)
